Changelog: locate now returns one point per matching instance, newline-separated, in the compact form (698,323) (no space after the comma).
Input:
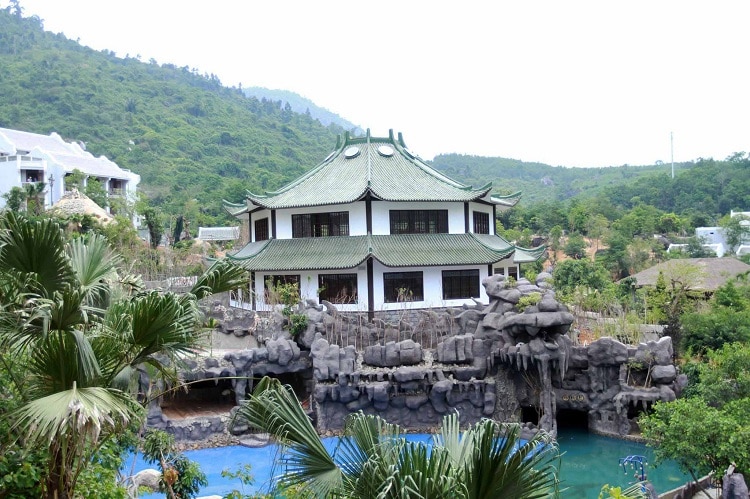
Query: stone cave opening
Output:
(530,414)
(203,398)
(300,383)
(572,419)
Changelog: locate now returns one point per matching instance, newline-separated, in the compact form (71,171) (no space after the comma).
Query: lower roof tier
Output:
(402,250)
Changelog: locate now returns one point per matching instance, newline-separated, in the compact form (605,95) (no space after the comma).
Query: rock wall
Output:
(501,360)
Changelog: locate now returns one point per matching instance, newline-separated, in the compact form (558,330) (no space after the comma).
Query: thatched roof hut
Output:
(77,203)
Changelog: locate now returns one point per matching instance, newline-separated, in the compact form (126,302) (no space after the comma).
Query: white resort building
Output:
(374,228)
(30,158)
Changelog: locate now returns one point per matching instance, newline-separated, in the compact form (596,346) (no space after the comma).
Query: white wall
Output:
(484,209)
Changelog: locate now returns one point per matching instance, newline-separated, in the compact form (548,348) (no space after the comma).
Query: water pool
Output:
(589,461)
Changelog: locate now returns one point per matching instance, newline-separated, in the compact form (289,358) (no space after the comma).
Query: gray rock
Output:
(663,374)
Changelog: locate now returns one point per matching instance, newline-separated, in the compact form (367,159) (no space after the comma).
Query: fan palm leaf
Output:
(37,250)
(95,267)
(275,409)
(222,276)
(503,465)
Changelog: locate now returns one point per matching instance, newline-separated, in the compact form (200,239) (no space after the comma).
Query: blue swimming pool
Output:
(589,461)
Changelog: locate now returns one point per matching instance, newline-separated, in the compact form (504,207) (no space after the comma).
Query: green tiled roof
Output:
(403,250)
(382,167)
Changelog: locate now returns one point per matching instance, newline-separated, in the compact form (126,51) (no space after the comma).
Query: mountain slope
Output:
(302,105)
(188,136)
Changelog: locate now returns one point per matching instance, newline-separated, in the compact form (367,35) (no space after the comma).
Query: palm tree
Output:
(80,330)
(373,460)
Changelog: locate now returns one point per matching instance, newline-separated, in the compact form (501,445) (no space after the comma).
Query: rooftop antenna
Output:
(671,146)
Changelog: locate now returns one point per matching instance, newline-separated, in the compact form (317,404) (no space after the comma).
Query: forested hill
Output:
(188,136)
(705,188)
(299,104)
(541,182)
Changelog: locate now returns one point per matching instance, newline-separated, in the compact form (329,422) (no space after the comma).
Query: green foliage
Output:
(96,192)
(632,492)
(700,438)
(487,460)
(709,331)
(571,274)
(180,476)
(287,295)
(575,247)
(736,230)
(725,375)
(15,198)
(528,300)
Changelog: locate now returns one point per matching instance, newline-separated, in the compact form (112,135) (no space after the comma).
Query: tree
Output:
(155,223)
(14,198)
(575,247)
(96,192)
(736,230)
(487,460)
(80,329)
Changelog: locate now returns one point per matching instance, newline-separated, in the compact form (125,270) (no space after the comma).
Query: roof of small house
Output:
(381,167)
(401,250)
(712,272)
(78,203)
(218,233)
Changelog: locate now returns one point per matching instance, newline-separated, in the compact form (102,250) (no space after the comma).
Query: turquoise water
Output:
(589,461)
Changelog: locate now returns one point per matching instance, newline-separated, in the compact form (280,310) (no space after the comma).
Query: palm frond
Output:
(274,408)
(95,266)
(35,249)
(506,466)
(460,447)
(60,360)
(222,276)
(75,413)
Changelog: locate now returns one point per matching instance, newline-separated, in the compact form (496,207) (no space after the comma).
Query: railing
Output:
(26,160)
(117,192)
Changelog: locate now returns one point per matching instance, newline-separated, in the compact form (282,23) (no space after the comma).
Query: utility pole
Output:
(671,146)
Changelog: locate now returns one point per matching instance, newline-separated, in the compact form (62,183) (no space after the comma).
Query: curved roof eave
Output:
(234,209)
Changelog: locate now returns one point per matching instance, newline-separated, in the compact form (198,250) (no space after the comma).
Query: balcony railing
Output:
(117,192)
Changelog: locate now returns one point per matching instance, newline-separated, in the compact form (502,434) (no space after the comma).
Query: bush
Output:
(711,331)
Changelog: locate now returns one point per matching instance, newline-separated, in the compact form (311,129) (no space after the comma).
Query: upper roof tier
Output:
(382,167)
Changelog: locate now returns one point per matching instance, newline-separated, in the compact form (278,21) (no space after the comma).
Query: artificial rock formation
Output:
(511,360)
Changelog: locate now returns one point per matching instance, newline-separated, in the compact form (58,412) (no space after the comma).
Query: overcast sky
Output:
(573,83)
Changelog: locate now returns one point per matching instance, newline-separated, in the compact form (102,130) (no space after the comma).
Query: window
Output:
(338,288)
(321,224)
(261,229)
(275,280)
(513,272)
(403,286)
(459,284)
(481,222)
(419,221)
(272,281)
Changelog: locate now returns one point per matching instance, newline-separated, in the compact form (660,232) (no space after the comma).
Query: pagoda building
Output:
(374,228)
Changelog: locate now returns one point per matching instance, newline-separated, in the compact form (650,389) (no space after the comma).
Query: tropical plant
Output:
(180,477)
(374,460)
(74,332)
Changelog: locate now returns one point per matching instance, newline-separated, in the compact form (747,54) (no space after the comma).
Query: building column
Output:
(370,290)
